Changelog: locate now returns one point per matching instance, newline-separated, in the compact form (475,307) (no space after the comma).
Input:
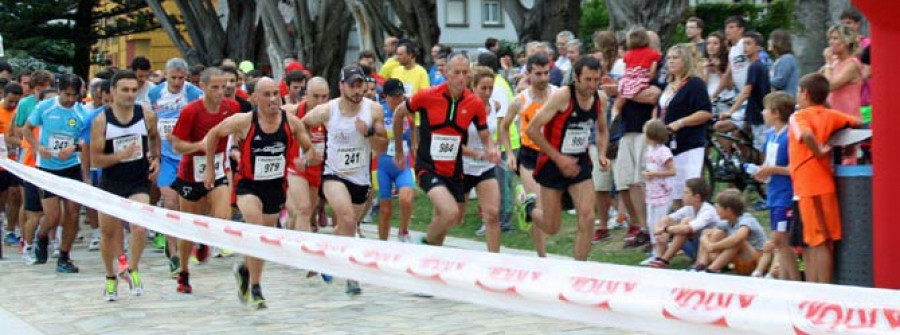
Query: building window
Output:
(492,14)
(457,13)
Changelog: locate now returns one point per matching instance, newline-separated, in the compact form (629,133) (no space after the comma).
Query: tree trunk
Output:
(659,16)
(810,43)
(544,19)
(418,20)
(84,25)
(190,54)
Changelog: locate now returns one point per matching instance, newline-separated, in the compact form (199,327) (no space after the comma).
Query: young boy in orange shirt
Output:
(812,175)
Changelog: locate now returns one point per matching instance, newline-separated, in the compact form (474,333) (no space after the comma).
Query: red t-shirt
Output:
(444,125)
(316,136)
(641,57)
(192,126)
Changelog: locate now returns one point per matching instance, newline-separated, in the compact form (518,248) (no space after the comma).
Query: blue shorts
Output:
(390,176)
(95,177)
(780,219)
(168,170)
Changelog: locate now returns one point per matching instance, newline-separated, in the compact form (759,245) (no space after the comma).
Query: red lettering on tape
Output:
(232,231)
(373,258)
(148,208)
(594,287)
(509,290)
(201,223)
(703,306)
(513,275)
(812,316)
(173,215)
(270,241)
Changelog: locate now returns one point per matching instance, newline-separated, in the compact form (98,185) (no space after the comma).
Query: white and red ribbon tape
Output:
(624,297)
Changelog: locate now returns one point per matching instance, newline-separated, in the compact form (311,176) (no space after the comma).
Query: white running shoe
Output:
(94,245)
(647,261)
(28,256)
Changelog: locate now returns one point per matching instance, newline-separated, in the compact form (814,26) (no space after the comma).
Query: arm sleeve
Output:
(704,219)
(182,128)
(35,117)
(780,74)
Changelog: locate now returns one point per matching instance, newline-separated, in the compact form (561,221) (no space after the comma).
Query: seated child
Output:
(685,225)
(738,239)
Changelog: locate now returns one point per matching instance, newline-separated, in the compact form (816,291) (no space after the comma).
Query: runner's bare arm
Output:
(153,139)
(379,140)
(85,163)
(237,125)
(511,113)
(300,132)
(184,147)
(316,117)
(400,113)
(13,137)
(555,104)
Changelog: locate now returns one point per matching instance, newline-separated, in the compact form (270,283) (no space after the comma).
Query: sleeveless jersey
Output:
(530,107)
(347,151)
(120,136)
(570,131)
(264,156)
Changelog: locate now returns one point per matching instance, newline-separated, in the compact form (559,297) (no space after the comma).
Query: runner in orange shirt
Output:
(813,178)
(10,190)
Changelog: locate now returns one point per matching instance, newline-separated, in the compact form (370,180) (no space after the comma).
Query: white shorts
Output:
(688,165)
(603,180)
(629,167)
(654,214)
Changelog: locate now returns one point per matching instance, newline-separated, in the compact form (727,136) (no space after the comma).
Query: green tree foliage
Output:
(594,17)
(63,31)
(761,18)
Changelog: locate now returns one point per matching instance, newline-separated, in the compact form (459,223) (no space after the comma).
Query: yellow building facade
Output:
(155,45)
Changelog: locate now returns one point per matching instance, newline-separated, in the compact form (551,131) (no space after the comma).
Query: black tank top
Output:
(120,136)
(264,156)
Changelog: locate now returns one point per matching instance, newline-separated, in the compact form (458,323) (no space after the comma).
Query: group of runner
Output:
(172,144)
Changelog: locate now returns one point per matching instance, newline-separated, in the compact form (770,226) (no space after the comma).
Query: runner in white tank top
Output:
(355,125)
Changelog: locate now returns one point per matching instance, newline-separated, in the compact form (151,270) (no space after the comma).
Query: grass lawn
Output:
(610,250)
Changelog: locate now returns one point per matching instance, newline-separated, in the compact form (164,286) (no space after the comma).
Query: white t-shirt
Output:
(472,166)
(705,218)
(142,93)
(739,65)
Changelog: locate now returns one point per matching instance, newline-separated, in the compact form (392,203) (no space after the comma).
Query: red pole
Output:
(886,134)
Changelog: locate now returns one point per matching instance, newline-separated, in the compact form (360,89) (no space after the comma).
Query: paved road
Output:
(35,299)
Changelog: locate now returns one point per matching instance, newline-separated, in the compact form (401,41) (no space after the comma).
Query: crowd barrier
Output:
(607,295)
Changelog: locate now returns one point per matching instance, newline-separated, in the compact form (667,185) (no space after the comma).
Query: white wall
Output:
(472,37)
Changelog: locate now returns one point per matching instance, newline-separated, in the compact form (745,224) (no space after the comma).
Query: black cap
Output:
(393,87)
(351,73)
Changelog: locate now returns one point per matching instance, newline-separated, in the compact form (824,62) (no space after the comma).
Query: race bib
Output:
(122,143)
(59,142)
(444,147)
(200,167)
(268,167)
(165,127)
(351,159)
(575,141)
(392,149)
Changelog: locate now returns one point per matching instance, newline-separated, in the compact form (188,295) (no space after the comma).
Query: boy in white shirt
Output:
(685,225)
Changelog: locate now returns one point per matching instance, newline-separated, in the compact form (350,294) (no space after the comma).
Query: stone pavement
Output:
(35,299)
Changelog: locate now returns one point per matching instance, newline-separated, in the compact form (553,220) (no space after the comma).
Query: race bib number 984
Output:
(444,147)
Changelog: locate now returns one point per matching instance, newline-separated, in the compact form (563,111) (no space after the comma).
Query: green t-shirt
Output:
(26,106)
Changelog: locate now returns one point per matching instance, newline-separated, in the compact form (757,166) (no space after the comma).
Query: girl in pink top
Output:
(640,66)
(845,75)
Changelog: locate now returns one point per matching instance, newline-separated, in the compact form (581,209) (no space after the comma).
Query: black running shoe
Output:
(256,298)
(242,277)
(41,252)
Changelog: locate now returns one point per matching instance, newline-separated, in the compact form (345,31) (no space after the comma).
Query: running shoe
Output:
(328,279)
(11,239)
(135,284)
(112,289)
(159,241)
(174,266)
(256,300)
(184,283)
(600,235)
(659,263)
(353,288)
(28,255)
(640,239)
(481,231)
(242,277)
(94,245)
(404,237)
(202,253)
(66,266)
(40,253)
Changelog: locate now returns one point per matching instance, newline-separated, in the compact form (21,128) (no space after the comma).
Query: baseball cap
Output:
(393,87)
(351,73)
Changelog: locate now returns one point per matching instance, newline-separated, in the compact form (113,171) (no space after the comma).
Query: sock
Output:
(43,241)
(111,277)
(95,233)
(63,256)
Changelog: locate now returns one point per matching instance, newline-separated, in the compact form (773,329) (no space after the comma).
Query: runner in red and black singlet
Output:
(195,121)
(445,113)
(303,184)
(562,130)
(266,136)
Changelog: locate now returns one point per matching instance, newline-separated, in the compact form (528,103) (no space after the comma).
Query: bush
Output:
(594,17)
(760,18)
